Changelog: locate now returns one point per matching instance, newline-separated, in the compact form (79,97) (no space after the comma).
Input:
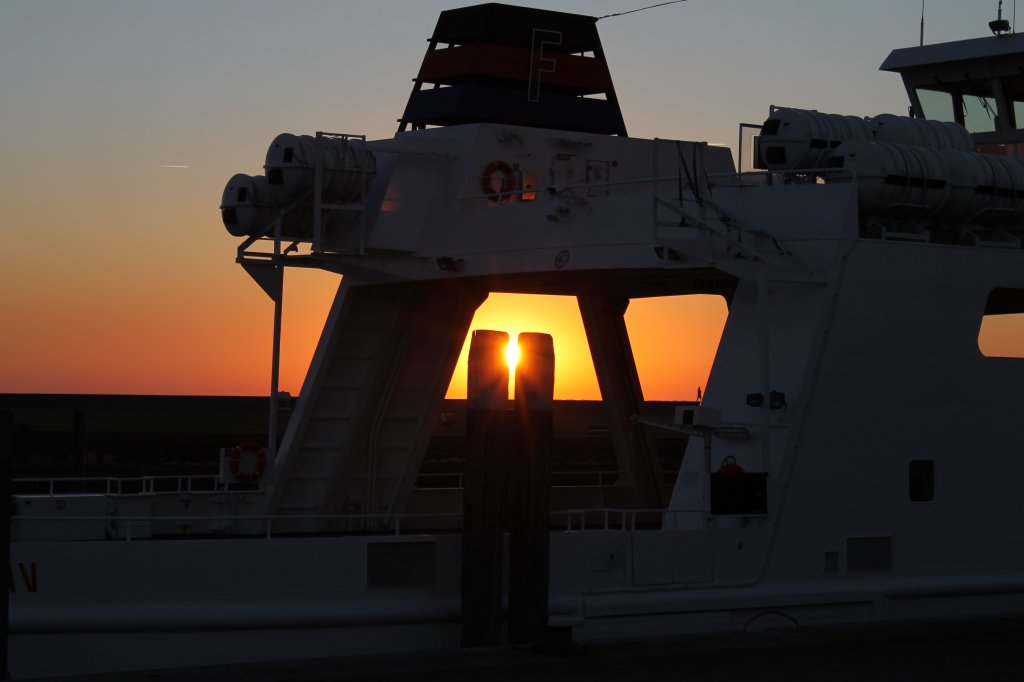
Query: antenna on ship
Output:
(922,23)
(1000,25)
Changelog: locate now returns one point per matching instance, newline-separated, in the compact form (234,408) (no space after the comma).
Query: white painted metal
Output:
(921,132)
(248,206)
(902,180)
(345,165)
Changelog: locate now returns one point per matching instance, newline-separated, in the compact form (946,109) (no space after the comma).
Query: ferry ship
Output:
(828,478)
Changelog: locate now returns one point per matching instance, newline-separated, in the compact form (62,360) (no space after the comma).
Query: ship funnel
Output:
(347,167)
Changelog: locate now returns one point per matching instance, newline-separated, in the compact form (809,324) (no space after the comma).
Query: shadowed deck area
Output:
(986,650)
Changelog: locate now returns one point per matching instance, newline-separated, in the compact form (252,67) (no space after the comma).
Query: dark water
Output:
(976,650)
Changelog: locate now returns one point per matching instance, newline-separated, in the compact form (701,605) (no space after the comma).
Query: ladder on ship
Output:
(370,400)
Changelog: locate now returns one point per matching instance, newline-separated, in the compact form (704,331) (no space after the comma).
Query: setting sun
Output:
(512,354)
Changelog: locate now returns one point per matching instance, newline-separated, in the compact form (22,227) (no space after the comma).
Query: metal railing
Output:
(207,483)
(129,528)
(126,528)
(605,518)
(109,485)
(559,479)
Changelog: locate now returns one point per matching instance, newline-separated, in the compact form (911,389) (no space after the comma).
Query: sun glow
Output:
(512,354)
(673,339)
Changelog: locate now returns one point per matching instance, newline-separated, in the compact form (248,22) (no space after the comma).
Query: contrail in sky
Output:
(165,165)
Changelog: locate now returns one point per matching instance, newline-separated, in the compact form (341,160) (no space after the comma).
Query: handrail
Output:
(210,483)
(600,478)
(127,523)
(561,189)
(112,485)
(576,520)
(627,518)
(820,172)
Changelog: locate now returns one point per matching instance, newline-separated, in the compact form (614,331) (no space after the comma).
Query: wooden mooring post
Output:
(530,490)
(483,493)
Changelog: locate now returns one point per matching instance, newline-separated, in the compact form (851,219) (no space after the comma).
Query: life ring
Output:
(729,466)
(247,462)
(503,173)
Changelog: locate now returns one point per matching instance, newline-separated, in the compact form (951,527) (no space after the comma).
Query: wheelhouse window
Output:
(937,105)
(979,113)
(973,108)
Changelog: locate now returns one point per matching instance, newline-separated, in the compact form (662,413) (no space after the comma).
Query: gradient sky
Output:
(121,121)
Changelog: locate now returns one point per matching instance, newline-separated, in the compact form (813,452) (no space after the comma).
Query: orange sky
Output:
(135,291)
(1002,336)
(172,333)
(674,341)
(123,121)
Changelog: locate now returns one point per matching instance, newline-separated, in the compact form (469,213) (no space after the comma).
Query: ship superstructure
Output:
(854,457)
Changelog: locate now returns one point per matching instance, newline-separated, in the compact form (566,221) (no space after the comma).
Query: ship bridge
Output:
(976,83)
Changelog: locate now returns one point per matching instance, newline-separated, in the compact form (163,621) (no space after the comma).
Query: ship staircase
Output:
(370,401)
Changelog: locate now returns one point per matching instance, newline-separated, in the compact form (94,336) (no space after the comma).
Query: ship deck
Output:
(948,649)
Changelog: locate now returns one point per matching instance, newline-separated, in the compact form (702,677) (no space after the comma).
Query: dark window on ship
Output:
(922,480)
(401,564)
(869,554)
(529,186)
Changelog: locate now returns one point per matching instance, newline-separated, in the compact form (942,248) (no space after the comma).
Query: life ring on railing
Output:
(248,461)
(498,180)
(730,466)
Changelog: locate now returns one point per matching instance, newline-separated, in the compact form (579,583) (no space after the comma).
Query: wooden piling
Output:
(530,489)
(484,489)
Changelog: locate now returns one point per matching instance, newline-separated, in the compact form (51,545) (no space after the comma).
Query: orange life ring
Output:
(729,466)
(248,461)
(503,172)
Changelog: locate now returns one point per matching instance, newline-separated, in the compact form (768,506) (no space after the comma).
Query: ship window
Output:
(401,564)
(937,106)
(1014,89)
(1002,326)
(922,480)
(979,114)
(529,186)
(1018,114)
(869,554)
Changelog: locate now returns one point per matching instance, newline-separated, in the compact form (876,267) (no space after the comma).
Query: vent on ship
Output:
(496,63)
